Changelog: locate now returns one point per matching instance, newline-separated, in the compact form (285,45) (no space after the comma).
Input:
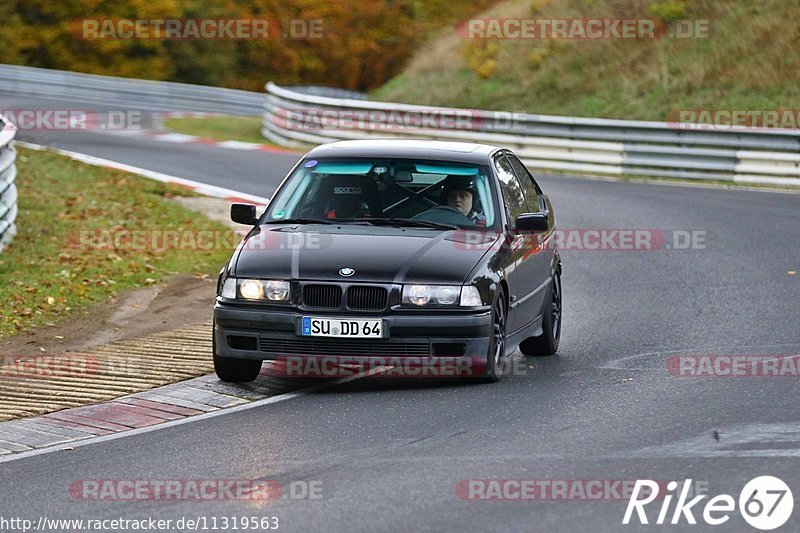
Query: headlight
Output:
(252,289)
(417,294)
(277,291)
(447,295)
(256,289)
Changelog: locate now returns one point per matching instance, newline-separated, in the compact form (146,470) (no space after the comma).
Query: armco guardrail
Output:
(8,187)
(549,143)
(127,93)
(149,95)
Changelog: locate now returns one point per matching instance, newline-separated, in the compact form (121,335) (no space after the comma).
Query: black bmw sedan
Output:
(393,250)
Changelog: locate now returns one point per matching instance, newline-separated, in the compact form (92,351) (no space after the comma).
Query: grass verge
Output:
(220,127)
(48,273)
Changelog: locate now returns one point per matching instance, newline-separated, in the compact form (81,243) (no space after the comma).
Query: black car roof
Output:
(407,148)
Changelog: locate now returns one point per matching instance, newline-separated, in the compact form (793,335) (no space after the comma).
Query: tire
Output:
(232,369)
(547,343)
(497,342)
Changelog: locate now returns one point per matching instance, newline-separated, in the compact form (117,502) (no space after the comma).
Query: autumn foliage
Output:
(363,42)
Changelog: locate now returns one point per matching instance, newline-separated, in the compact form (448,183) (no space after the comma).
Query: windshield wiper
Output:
(303,221)
(407,222)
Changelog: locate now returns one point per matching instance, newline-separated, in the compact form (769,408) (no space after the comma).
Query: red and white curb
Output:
(189,114)
(181,138)
(153,409)
(163,407)
(200,188)
(158,134)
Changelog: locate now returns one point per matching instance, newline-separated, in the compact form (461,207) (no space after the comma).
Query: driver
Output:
(459,192)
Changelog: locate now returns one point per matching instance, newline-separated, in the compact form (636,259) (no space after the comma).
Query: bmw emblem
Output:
(346,272)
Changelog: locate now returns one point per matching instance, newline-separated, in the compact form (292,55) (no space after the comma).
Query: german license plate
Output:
(341,327)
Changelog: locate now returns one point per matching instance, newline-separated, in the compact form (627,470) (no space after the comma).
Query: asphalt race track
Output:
(395,454)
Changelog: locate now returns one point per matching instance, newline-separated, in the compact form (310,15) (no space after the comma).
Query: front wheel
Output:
(234,370)
(547,342)
(497,343)
(231,369)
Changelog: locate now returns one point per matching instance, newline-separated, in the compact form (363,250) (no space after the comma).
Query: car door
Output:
(539,246)
(517,270)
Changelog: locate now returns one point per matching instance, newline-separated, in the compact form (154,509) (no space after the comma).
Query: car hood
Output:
(376,254)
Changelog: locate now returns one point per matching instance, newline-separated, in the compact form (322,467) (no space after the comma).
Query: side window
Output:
(529,186)
(512,191)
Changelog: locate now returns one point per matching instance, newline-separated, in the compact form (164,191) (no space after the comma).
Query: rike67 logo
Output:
(765,503)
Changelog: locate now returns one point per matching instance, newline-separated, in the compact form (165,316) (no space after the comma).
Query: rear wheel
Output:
(547,342)
(232,369)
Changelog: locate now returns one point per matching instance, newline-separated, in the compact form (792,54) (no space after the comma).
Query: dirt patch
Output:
(184,300)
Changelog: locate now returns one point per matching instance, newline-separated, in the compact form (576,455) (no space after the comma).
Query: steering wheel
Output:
(444,214)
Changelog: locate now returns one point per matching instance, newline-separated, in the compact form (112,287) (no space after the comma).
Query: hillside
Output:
(350,44)
(750,60)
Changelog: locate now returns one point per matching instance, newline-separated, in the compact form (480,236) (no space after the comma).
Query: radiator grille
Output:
(367,298)
(322,296)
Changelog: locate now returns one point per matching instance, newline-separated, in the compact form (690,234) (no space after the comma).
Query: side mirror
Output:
(535,222)
(244,214)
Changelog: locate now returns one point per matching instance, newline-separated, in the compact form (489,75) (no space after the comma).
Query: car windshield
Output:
(386,192)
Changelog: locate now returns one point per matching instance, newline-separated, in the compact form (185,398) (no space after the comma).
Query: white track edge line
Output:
(200,188)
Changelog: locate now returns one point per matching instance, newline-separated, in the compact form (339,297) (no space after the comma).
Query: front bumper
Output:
(251,333)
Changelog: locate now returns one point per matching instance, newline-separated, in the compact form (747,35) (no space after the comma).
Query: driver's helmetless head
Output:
(461,200)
